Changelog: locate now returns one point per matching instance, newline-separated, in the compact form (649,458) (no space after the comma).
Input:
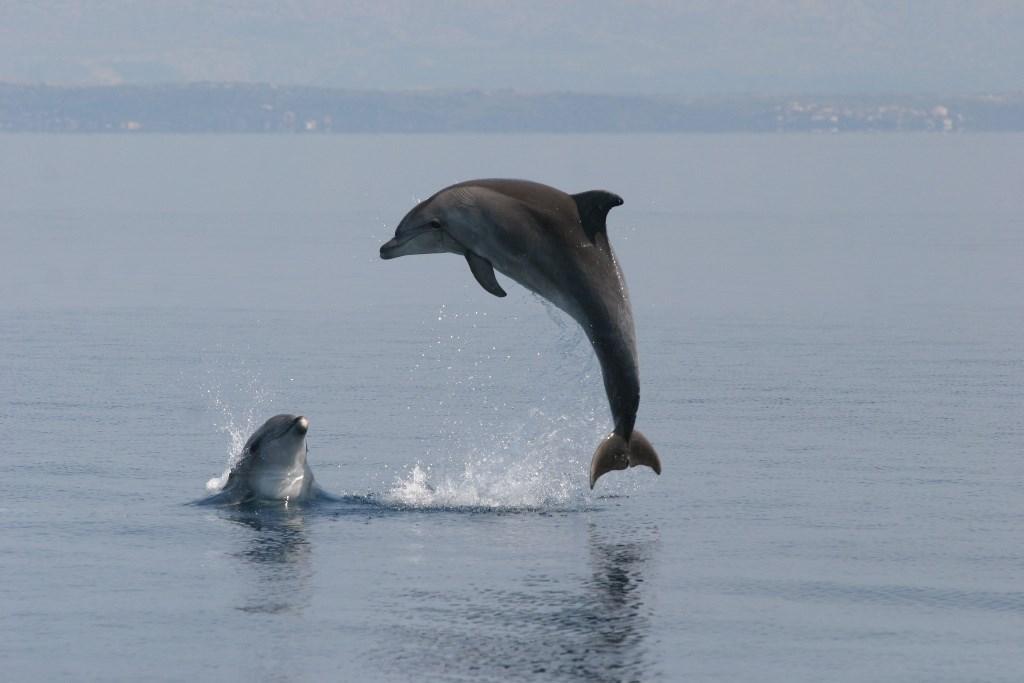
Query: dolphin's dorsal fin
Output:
(483,271)
(594,206)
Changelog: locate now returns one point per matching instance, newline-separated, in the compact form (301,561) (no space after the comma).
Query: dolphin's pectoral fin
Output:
(615,453)
(240,470)
(594,207)
(483,271)
(235,478)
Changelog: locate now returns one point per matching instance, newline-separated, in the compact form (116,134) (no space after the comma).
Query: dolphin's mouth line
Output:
(412,233)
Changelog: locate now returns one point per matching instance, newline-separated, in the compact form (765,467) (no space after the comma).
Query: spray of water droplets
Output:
(495,449)
(236,424)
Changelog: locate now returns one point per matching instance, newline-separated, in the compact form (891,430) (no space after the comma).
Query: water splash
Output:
(483,485)
(510,471)
(501,444)
(236,426)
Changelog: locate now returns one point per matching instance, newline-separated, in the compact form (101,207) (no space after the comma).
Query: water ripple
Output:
(891,595)
(592,627)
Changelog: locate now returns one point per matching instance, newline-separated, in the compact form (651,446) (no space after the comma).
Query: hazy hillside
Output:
(268,109)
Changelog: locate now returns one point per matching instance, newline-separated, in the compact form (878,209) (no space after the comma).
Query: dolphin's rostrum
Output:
(554,244)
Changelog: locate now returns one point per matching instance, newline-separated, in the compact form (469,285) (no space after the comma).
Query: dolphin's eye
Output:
(434,223)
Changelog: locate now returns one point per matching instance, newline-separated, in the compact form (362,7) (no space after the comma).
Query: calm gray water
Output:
(832,361)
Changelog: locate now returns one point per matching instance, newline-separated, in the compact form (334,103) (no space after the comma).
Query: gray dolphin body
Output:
(554,244)
(273,464)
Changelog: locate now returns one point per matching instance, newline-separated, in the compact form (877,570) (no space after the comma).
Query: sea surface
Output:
(831,337)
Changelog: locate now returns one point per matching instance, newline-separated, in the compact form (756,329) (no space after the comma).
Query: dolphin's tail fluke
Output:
(615,453)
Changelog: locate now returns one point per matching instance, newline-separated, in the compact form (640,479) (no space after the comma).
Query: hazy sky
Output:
(689,46)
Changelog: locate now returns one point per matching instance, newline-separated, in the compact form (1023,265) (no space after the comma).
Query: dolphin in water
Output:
(554,244)
(272,465)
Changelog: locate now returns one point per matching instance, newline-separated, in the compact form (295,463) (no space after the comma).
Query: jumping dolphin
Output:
(554,244)
(272,465)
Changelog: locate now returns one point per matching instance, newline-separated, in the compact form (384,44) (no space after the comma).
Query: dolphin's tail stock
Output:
(615,453)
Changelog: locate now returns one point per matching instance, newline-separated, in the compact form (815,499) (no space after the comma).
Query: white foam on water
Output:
(510,472)
(483,485)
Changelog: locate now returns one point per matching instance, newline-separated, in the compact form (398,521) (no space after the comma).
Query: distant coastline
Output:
(253,108)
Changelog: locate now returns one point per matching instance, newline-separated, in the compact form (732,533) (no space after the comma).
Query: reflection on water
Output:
(617,613)
(590,627)
(278,557)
